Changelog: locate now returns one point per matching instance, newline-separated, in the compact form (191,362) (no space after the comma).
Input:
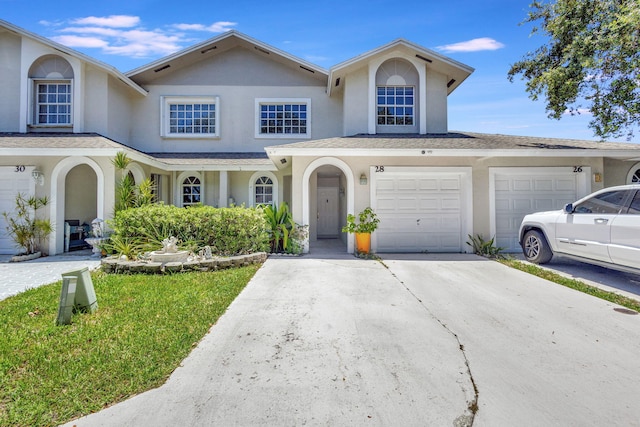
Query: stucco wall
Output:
(480,176)
(237,77)
(616,172)
(9,82)
(355,103)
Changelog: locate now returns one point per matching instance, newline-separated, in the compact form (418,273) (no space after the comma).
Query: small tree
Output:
(26,230)
(128,194)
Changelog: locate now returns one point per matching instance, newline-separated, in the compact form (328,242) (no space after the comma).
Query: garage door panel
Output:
(528,190)
(12,183)
(420,212)
(428,184)
(450,184)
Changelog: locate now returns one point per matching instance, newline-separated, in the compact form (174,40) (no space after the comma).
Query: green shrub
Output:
(228,231)
(279,225)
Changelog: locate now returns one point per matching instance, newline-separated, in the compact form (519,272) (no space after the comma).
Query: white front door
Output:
(13,180)
(421,209)
(328,221)
(517,192)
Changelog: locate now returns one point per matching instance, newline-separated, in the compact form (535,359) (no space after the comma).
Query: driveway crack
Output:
(463,420)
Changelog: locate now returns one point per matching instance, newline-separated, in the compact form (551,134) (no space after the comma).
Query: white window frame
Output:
(394,105)
(34,103)
(274,187)
(180,187)
(165,105)
(282,101)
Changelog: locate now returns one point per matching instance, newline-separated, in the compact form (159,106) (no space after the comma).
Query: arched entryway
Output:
(327,198)
(77,193)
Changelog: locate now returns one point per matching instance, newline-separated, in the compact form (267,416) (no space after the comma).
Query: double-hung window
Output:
(396,105)
(283,118)
(53,102)
(190,117)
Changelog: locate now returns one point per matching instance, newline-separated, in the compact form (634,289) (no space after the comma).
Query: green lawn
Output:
(144,327)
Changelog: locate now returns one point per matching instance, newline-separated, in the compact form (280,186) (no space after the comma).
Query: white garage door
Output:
(519,191)
(13,180)
(421,209)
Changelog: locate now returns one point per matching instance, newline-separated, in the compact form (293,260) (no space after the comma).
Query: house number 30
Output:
(19,168)
(379,168)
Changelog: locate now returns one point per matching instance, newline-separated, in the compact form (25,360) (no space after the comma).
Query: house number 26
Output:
(379,168)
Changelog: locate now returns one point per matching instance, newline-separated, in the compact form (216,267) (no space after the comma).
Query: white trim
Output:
(276,101)
(166,100)
(348,173)
(137,172)
(632,172)
(57,201)
(583,184)
(275,188)
(284,151)
(466,191)
(178,187)
(32,115)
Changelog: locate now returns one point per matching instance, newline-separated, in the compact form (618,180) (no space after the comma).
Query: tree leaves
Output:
(592,56)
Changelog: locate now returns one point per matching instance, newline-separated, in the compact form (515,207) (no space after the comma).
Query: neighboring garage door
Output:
(519,191)
(421,209)
(13,180)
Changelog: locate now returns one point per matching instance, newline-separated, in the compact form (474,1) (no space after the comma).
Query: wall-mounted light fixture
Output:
(37,176)
(363,179)
(597,177)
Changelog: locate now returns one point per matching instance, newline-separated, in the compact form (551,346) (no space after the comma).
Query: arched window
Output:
(263,191)
(396,97)
(52,103)
(634,174)
(191,191)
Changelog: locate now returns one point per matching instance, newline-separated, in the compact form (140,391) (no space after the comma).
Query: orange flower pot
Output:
(363,242)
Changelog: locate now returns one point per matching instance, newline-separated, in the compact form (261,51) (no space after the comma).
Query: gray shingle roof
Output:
(93,141)
(456,141)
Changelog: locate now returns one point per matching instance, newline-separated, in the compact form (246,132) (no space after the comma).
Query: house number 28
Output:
(379,168)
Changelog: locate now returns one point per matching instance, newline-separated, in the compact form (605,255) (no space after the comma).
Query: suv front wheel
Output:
(535,247)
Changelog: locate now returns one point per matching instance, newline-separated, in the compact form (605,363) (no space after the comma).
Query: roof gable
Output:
(216,46)
(73,53)
(456,71)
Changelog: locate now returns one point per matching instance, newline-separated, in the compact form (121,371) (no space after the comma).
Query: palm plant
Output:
(280,223)
(26,230)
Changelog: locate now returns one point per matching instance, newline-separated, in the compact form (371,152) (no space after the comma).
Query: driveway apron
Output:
(540,353)
(313,341)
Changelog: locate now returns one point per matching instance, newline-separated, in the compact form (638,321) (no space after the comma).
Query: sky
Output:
(487,35)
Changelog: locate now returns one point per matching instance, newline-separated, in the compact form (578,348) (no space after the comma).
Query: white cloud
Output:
(475,45)
(76,41)
(216,27)
(125,35)
(114,21)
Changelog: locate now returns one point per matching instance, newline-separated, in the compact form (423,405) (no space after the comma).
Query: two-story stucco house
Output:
(233,120)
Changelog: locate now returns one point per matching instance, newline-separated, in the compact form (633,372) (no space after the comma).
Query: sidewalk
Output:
(18,277)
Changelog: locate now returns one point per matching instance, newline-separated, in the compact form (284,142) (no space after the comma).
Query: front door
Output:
(328,221)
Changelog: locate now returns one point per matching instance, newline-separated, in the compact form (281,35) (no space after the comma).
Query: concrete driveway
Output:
(413,340)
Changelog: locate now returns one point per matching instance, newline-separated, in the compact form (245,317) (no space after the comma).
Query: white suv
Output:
(602,228)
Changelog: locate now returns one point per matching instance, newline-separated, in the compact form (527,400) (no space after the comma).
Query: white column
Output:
(224,189)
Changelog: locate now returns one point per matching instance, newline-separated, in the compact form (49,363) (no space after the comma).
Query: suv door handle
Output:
(601,220)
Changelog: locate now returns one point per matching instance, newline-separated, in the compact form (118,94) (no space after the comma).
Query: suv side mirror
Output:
(568,208)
